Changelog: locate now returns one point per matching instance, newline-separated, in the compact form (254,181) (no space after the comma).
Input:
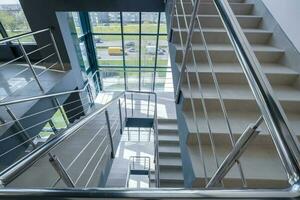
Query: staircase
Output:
(278,58)
(170,164)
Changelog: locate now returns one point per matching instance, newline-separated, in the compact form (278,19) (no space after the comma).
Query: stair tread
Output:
(267,68)
(170,161)
(167,126)
(208,29)
(238,92)
(168,149)
(224,47)
(167,138)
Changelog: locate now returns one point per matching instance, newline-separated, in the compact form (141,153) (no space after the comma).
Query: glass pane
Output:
(147,79)
(13,19)
(132,75)
(164,80)
(58,120)
(84,56)
(105,22)
(163,24)
(112,79)
(109,50)
(77,23)
(131,22)
(46,132)
(149,22)
(148,47)
(163,52)
(131,43)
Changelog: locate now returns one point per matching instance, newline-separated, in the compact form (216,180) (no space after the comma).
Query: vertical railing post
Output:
(187,48)
(59,168)
(285,141)
(56,50)
(25,134)
(131,104)
(30,66)
(90,94)
(110,134)
(97,81)
(125,101)
(120,115)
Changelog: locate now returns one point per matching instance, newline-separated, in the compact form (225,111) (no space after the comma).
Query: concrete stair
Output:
(170,164)
(236,93)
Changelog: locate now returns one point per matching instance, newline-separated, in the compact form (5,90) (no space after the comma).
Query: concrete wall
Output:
(287,15)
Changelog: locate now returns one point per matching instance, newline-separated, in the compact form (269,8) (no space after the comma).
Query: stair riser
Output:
(237,105)
(228,56)
(215,22)
(210,9)
(236,78)
(219,37)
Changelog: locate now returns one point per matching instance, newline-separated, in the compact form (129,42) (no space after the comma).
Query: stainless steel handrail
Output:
(152,193)
(17,37)
(46,95)
(186,50)
(285,141)
(14,170)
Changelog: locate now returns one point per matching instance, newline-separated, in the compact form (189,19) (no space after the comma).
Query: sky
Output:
(9,2)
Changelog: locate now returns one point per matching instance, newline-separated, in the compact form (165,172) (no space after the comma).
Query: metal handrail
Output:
(285,141)
(46,95)
(14,170)
(23,35)
(152,193)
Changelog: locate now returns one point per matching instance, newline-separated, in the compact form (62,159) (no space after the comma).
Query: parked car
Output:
(131,49)
(130,44)
(98,40)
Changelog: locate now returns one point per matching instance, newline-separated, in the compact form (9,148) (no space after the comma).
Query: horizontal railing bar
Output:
(44,96)
(38,62)
(40,112)
(84,148)
(7,63)
(151,193)
(134,34)
(37,124)
(22,35)
(38,49)
(14,170)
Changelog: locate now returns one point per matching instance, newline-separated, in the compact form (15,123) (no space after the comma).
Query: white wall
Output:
(287,14)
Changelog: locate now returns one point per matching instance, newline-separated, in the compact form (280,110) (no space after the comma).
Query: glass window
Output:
(84,56)
(46,132)
(163,24)
(58,120)
(162,51)
(132,75)
(147,79)
(13,19)
(149,22)
(148,48)
(131,44)
(109,50)
(164,80)
(105,22)
(112,79)
(131,22)
(77,23)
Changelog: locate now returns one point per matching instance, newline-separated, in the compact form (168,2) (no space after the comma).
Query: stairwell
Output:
(278,58)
